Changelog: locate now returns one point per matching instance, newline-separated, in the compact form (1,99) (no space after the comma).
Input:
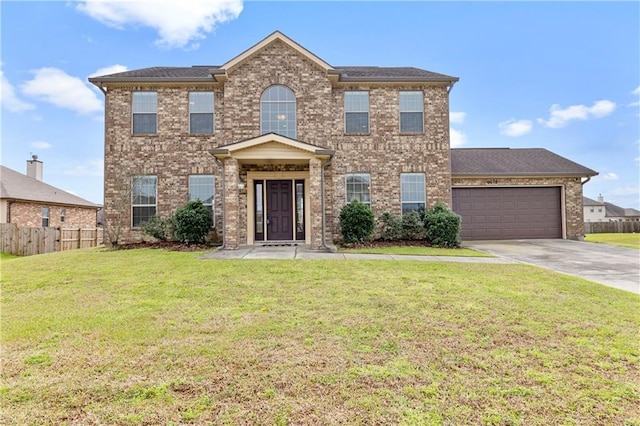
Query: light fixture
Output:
(281,117)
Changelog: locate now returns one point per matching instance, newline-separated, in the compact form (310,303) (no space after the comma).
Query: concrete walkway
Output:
(304,252)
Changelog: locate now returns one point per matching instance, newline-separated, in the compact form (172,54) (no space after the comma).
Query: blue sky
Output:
(562,76)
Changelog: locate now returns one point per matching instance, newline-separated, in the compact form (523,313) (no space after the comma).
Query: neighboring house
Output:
(28,202)
(276,141)
(601,211)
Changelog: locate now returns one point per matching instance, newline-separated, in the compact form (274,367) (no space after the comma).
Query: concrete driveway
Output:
(613,266)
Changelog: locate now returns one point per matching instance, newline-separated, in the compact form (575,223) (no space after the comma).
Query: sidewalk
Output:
(304,252)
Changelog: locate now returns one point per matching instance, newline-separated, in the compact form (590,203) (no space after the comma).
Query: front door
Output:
(279,210)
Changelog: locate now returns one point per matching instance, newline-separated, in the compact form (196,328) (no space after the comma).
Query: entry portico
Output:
(272,191)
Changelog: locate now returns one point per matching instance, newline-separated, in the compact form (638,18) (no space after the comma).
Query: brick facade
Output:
(29,215)
(173,153)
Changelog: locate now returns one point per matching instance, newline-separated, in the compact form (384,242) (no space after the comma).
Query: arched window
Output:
(278,114)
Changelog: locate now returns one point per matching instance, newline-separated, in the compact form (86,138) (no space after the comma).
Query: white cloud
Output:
(457,138)
(63,90)
(112,69)
(626,190)
(610,176)
(177,22)
(9,99)
(515,127)
(457,117)
(93,167)
(561,117)
(637,160)
(40,145)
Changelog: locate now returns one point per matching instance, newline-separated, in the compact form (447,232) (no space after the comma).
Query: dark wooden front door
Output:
(279,210)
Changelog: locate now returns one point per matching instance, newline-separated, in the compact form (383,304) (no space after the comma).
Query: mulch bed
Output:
(166,245)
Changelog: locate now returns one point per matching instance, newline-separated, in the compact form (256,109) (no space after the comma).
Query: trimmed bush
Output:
(357,222)
(412,226)
(192,222)
(390,226)
(159,228)
(442,226)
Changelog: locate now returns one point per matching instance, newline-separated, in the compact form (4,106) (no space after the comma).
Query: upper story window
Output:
(278,111)
(201,187)
(411,112)
(413,192)
(143,199)
(356,111)
(201,113)
(359,187)
(145,113)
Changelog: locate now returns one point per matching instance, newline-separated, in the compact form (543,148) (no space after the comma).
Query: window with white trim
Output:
(201,113)
(278,111)
(411,112)
(45,217)
(356,111)
(201,187)
(359,187)
(145,113)
(63,215)
(144,196)
(412,192)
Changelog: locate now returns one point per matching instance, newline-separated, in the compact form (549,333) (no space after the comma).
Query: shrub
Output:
(192,222)
(412,226)
(390,226)
(442,226)
(161,229)
(357,222)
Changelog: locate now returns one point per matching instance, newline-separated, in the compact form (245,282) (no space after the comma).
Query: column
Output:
(231,204)
(315,203)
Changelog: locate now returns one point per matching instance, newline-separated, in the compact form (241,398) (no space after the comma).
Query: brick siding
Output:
(29,215)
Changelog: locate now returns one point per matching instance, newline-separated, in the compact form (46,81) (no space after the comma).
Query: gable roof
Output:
(513,162)
(586,201)
(227,150)
(214,73)
(16,186)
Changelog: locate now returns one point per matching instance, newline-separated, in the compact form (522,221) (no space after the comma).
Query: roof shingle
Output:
(16,186)
(513,162)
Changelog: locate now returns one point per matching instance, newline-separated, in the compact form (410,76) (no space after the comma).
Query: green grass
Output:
(157,337)
(417,251)
(622,240)
(7,256)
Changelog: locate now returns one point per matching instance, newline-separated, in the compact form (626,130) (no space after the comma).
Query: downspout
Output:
(324,213)
(223,202)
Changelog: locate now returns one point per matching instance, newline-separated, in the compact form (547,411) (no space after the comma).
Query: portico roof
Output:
(272,148)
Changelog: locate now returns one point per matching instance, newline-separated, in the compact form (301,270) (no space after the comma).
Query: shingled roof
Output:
(206,73)
(16,186)
(513,162)
(209,73)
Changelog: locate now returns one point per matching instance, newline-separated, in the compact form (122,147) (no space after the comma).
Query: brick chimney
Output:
(34,168)
(600,199)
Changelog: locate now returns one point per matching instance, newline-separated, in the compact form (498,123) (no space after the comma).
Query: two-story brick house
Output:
(276,140)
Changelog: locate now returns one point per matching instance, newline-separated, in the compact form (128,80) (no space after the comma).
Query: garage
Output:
(507,213)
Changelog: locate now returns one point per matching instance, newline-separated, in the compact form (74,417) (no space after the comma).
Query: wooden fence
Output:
(30,241)
(611,227)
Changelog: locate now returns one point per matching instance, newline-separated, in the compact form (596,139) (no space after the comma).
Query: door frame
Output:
(277,175)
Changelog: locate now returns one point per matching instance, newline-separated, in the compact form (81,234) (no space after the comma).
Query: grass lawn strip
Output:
(158,337)
(622,240)
(417,251)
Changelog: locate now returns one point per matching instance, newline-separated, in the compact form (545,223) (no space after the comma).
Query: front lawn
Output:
(159,337)
(416,251)
(622,240)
